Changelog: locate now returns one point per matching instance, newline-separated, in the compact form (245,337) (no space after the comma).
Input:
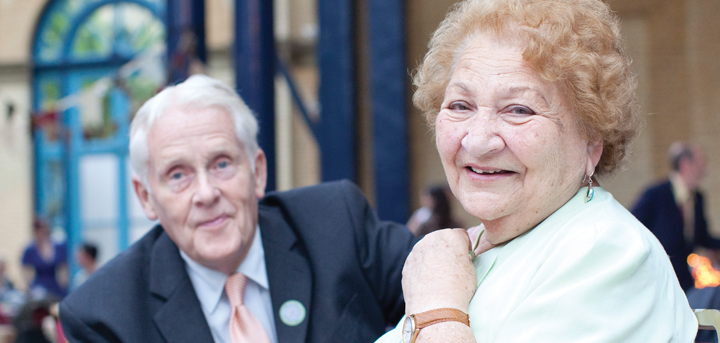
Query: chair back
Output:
(708,319)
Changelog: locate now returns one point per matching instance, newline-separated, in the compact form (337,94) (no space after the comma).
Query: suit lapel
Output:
(179,316)
(289,275)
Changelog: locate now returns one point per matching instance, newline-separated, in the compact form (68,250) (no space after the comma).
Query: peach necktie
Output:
(244,326)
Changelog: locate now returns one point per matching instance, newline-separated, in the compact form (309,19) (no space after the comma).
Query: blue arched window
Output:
(95,62)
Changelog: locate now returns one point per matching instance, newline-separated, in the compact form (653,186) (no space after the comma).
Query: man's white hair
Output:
(196,93)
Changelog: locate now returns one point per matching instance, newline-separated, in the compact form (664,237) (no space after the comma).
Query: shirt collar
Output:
(209,284)
(680,191)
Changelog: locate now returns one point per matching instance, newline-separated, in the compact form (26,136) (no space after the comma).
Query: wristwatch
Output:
(416,322)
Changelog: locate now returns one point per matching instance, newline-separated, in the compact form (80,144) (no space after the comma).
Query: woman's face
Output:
(508,141)
(41,231)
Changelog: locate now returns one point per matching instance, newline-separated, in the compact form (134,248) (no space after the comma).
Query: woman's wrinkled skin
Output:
(449,284)
(508,140)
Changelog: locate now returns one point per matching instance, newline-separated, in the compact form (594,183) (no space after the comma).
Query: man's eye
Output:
(176,175)
(222,164)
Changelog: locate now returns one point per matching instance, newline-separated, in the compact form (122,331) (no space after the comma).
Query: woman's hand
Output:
(438,273)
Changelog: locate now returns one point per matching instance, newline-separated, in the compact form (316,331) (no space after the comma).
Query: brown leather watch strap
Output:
(427,318)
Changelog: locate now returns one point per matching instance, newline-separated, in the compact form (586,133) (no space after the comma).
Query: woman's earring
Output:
(590,191)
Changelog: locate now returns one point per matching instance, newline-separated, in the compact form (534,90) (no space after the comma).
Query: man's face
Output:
(82,258)
(692,170)
(203,188)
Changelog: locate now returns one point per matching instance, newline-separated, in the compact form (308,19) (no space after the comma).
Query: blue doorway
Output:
(95,62)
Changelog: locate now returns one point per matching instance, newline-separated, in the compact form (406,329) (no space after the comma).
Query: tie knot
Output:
(235,288)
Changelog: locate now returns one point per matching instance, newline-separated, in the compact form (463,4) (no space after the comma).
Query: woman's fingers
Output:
(438,272)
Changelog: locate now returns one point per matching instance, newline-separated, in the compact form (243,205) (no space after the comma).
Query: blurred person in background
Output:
(531,101)
(44,263)
(674,209)
(435,213)
(226,261)
(11,299)
(5,288)
(87,259)
(5,283)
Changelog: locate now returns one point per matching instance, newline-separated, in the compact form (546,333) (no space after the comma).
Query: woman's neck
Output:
(46,249)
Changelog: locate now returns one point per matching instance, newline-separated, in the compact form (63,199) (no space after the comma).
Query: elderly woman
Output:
(531,100)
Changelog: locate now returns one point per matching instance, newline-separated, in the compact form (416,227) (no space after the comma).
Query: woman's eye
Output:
(458,106)
(521,110)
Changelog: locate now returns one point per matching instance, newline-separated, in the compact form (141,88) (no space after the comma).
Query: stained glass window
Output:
(125,40)
(95,38)
(140,30)
(49,89)
(54,30)
(53,186)
(94,33)
(125,29)
(96,112)
(46,119)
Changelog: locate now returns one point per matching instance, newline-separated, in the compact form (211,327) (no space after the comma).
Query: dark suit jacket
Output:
(324,246)
(658,210)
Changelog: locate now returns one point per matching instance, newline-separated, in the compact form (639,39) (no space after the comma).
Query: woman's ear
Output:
(595,150)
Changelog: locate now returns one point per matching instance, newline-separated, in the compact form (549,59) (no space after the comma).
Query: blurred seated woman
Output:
(531,100)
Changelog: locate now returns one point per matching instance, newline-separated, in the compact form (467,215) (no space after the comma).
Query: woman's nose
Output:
(482,136)
(206,192)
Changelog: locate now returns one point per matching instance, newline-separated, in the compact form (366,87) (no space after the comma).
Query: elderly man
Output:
(307,265)
(674,210)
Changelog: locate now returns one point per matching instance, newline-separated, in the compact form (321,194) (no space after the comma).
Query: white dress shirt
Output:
(210,289)
(684,197)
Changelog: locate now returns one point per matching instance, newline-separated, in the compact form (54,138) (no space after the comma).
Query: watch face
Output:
(408,329)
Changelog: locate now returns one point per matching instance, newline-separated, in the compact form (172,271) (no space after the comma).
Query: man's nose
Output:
(206,192)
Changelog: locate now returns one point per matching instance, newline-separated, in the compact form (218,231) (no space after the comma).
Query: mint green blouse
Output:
(590,272)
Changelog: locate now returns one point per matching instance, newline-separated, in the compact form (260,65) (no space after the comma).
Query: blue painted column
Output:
(121,104)
(185,37)
(72,137)
(388,91)
(255,70)
(336,93)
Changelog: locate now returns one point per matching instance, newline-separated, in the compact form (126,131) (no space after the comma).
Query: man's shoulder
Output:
(123,299)
(657,188)
(324,189)
(322,196)
(136,253)
(128,268)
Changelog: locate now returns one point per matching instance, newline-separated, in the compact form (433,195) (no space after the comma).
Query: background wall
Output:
(17,23)
(674,45)
(15,168)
